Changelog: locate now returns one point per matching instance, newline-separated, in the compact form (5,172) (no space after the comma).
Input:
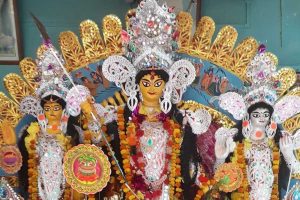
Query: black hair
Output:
(260,105)
(23,172)
(161,73)
(54,98)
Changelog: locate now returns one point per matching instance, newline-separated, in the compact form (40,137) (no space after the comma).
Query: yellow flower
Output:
(140,195)
(61,139)
(34,128)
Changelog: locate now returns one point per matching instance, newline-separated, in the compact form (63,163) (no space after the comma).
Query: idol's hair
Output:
(53,98)
(261,105)
(161,73)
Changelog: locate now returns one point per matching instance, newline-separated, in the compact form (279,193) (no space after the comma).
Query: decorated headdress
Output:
(53,80)
(266,85)
(151,38)
(44,77)
(261,72)
(150,44)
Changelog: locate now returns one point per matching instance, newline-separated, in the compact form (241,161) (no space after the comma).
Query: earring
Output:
(132,101)
(141,96)
(165,104)
(131,89)
(271,129)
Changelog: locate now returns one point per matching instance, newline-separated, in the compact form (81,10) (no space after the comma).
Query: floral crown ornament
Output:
(268,86)
(53,80)
(261,71)
(150,44)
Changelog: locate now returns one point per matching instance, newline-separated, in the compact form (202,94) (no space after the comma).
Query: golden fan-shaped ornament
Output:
(72,51)
(17,87)
(287,78)
(223,45)
(92,41)
(112,29)
(9,110)
(29,71)
(201,42)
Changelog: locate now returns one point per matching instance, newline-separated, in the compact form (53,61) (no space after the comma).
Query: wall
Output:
(57,16)
(274,23)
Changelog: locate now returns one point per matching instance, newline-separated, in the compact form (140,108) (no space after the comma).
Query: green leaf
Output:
(225,180)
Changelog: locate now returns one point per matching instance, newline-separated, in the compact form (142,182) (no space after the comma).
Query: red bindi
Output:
(152,73)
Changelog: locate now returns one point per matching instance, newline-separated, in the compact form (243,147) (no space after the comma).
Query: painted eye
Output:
(267,115)
(157,84)
(56,108)
(47,109)
(145,84)
(255,115)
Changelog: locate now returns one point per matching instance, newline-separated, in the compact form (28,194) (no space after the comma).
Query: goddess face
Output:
(259,118)
(151,87)
(53,111)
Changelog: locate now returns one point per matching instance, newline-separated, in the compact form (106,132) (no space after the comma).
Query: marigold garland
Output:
(32,174)
(239,159)
(205,185)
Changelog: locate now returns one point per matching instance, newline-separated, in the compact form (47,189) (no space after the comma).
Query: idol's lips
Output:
(151,93)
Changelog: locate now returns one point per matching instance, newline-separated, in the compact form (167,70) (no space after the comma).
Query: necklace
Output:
(151,112)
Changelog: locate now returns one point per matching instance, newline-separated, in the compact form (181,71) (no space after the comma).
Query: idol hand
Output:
(224,142)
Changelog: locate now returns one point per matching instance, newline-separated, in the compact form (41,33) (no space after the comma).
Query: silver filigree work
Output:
(259,170)
(51,181)
(153,146)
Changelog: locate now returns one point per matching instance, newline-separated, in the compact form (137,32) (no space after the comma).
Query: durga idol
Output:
(162,144)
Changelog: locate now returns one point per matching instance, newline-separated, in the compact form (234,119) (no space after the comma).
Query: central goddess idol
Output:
(164,146)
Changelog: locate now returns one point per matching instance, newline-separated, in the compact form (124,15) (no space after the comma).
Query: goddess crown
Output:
(152,36)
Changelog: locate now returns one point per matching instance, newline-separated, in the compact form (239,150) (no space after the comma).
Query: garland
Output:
(30,142)
(129,138)
(204,186)
(239,159)
(32,174)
